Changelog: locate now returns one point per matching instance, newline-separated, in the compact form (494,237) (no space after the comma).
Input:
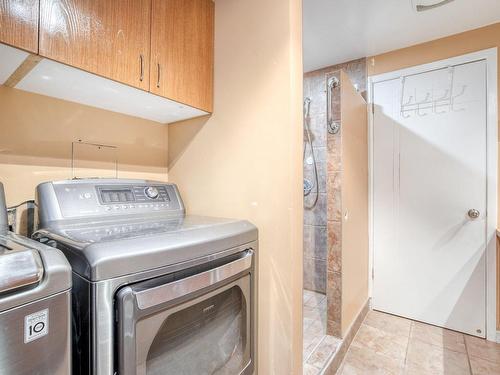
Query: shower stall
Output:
(335,168)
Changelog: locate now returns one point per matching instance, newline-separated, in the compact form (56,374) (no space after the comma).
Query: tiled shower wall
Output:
(316,219)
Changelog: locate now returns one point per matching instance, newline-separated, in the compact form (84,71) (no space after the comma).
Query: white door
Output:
(429,182)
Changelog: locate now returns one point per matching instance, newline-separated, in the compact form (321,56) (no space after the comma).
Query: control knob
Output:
(151,192)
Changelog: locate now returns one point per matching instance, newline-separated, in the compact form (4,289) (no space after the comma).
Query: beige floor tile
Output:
(318,326)
(310,370)
(366,362)
(323,352)
(306,322)
(311,332)
(483,367)
(438,336)
(389,323)
(381,342)
(423,358)
(481,348)
(322,306)
(314,313)
(309,344)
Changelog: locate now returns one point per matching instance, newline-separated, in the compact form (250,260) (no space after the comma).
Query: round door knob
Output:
(473,213)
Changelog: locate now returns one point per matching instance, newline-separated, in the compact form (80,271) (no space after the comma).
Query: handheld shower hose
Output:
(308,186)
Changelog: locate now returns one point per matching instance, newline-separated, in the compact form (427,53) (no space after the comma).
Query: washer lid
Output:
(20,267)
(20,253)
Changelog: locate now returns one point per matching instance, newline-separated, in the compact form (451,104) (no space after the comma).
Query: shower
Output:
(310,160)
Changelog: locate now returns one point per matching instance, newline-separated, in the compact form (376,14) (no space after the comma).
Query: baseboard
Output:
(498,337)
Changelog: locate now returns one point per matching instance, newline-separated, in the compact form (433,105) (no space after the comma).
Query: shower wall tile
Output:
(315,275)
(321,170)
(333,152)
(334,303)
(317,125)
(334,243)
(320,154)
(315,242)
(334,197)
(316,215)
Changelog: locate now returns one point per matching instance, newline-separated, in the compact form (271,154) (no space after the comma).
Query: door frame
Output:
(490,56)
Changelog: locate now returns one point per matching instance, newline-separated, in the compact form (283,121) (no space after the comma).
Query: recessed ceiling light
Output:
(423,5)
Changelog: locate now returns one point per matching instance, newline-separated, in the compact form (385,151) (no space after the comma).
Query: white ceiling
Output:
(337,31)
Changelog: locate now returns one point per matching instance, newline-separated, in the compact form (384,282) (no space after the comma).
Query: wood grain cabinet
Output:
(182,51)
(108,37)
(19,24)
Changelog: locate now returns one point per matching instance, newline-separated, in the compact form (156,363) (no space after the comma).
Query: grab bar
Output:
(333,127)
(189,285)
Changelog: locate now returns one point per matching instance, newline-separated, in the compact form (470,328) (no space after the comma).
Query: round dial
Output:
(151,192)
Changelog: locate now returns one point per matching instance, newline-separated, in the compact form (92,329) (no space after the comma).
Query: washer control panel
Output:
(94,198)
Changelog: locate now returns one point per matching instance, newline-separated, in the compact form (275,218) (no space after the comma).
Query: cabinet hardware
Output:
(141,57)
(158,81)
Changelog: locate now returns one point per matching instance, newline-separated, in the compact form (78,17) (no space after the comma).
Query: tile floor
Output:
(318,347)
(386,344)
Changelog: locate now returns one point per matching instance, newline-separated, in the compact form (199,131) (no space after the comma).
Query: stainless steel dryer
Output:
(155,291)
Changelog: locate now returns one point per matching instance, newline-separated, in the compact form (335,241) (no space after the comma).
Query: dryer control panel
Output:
(95,198)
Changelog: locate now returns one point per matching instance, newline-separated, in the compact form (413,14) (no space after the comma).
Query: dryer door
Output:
(200,324)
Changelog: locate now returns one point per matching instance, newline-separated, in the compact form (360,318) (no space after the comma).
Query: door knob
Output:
(473,213)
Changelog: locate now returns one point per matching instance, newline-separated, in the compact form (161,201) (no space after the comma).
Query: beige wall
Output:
(455,45)
(36,133)
(354,203)
(245,160)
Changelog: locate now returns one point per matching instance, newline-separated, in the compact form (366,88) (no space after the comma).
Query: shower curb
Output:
(336,359)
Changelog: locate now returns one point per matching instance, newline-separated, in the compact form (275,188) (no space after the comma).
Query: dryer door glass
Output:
(208,337)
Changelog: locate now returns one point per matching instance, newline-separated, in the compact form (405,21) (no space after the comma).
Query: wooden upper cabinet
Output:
(108,37)
(19,24)
(182,51)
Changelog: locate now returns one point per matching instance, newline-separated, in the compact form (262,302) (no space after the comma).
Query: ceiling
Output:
(337,31)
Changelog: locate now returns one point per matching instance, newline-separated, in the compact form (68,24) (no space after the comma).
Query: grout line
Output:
(408,344)
(467,352)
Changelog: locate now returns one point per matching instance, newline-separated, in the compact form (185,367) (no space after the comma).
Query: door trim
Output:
(490,56)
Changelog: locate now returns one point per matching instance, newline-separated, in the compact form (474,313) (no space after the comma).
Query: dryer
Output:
(155,291)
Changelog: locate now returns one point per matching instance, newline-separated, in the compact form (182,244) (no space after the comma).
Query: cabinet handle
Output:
(158,81)
(142,67)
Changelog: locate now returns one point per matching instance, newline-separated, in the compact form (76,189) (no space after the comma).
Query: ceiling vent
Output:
(424,5)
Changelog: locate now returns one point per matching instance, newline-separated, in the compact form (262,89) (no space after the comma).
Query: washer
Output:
(155,291)
(35,305)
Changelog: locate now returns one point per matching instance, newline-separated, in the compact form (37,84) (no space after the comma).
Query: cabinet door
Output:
(107,37)
(182,51)
(19,24)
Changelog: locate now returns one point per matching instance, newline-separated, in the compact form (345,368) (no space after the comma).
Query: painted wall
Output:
(36,133)
(455,45)
(354,214)
(245,160)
